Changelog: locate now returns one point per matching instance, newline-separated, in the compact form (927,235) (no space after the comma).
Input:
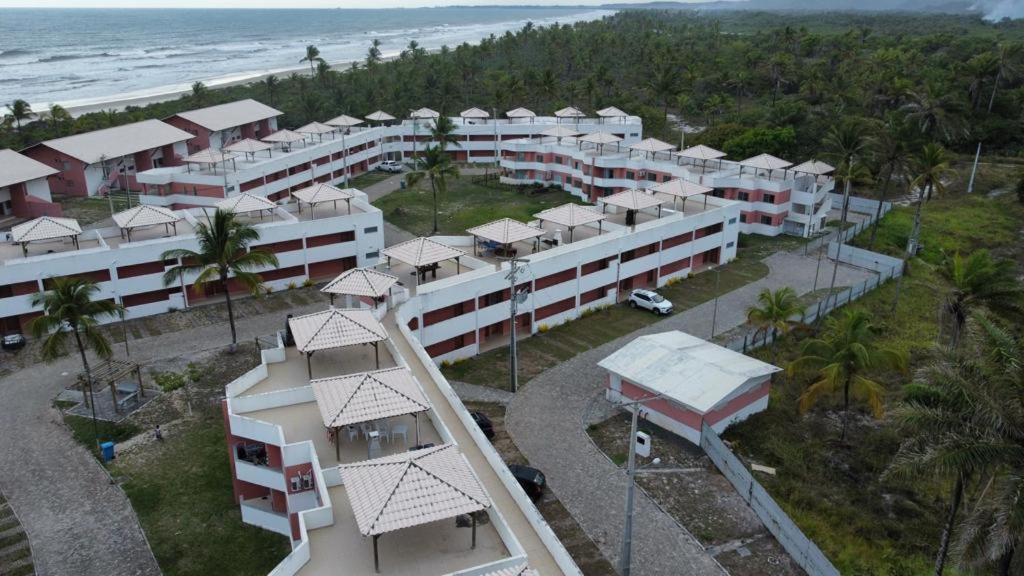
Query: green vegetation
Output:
(92,210)
(367,179)
(465,204)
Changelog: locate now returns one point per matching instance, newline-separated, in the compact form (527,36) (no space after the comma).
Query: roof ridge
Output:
(442,480)
(394,490)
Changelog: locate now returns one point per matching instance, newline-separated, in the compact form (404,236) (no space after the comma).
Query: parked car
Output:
(650,300)
(13,341)
(390,166)
(531,479)
(484,423)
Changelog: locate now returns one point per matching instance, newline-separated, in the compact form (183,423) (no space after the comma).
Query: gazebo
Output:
(316,129)
(335,328)
(520,113)
(505,232)
(45,228)
(368,396)
(679,188)
(380,116)
(569,112)
(559,132)
(633,201)
(410,489)
(813,167)
(650,146)
(474,114)
(344,121)
(360,282)
(424,255)
(599,139)
(702,153)
(765,162)
(244,203)
(210,157)
(571,215)
(424,114)
(285,138)
(321,193)
(250,147)
(610,112)
(145,215)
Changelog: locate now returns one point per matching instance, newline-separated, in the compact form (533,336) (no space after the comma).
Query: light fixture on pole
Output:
(625,558)
(515,299)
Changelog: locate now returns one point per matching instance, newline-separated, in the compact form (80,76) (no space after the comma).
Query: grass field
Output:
(369,179)
(464,205)
(91,210)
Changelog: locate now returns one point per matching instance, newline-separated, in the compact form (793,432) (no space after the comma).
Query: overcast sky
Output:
(283,3)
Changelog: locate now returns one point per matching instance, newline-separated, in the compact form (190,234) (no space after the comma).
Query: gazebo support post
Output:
(376,354)
(472,545)
(458,270)
(416,418)
(332,300)
(337,443)
(309,364)
(376,559)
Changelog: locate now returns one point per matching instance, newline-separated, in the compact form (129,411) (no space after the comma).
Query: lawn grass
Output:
(84,432)
(368,179)
(91,210)
(464,205)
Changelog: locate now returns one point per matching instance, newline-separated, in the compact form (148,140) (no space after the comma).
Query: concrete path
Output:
(547,419)
(477,393)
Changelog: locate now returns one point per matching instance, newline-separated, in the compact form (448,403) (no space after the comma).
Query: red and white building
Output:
(691,381)
(218,126)
(24,189)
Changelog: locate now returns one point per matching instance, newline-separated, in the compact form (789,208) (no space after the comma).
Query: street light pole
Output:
(513,363)
(714,314)
(625,558)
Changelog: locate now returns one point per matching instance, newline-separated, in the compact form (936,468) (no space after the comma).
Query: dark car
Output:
(13,342)
(531,479)
(484,423)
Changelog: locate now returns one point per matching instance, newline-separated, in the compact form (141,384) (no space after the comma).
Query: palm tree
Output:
(889,149)
(1006,67)
(931,168)
(443,132)
(773,312)
(271,82)
(20,110)
(373,54)
(59,118)
(846,145)
(312,56)
(199,92)
(979,279)
(69,307)
(842,360)
(436,166)
(223,253)
(323,72)
(934,112)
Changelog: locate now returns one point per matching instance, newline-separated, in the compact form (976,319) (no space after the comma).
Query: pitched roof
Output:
(110,143)
(361,282)
(335,328)
(411,488)
(45,228)
(560,131)
(766,162)
(423,113)
(652,145)
(422,252)
(684,368)
(209,156)
(321,192)
(571,215)
(367,396)
(702,152)
(244,202)
(633,199)
(230,115)
(344,121)
(145,215)
(475,113)
(611,112)
(380,116)
(315,128)
(600,138)
(248,146)
(16,168)
(681,188)
(569,112)
(815,167)
(286,136)
(520,113)
(506,231)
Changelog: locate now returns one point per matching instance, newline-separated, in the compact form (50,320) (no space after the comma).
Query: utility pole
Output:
(714,314)
(625,558)
(514,301)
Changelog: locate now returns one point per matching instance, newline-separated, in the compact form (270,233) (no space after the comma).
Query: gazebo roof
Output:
(560,131)
(248,146)
(411,488)
(344,121)
(422,252)
(766,162)
(652,145)
(506,231)
(244,202)
(335,328)
(475,113)
(379,116)
(145,215)
(284,136)
(45,228)
(569,112)
(424,113)
(321,192)
(600,138)
(702,152)
(209,156)
(681,188)
(361,282)
(815,167)
(367,396)
(315,128)
(611,112)
(570,215)
(520,113)
(633,199)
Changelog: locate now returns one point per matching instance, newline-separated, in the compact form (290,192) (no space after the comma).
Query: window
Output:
(729,245)
(634,134)
(630,175)
(766,220)
(372,255)
(718,193)
(732,221)
(743,196)
(652,176)
(369,230)
(743,218)
(768,198)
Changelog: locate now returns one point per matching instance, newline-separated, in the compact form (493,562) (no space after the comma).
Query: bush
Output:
(307,282)
(542,328)
(292,285)
(169,381)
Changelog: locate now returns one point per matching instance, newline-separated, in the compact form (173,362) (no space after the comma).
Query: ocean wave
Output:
(14,52)
(63,57)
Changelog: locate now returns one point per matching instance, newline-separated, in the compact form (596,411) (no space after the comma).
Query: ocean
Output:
(77,57)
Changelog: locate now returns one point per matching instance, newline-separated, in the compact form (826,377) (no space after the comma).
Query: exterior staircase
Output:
(15,551)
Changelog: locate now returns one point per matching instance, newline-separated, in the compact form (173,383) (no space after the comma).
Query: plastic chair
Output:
(353,433)
(384,428)
(400,430)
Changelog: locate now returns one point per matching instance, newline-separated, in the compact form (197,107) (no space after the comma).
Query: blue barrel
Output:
(107,451)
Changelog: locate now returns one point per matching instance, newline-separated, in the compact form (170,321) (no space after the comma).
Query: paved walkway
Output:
(477,393)
(547,417)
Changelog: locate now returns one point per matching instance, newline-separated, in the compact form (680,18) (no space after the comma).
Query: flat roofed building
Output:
(218,126)
(697,382)
(24,187)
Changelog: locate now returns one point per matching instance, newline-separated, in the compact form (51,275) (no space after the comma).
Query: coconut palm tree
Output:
(70,308)
(1006,67)
(930,169)
(59,118)
(889,150)
(271,83)
(223,254)
(842,361)
(313,57)
(979,279)
(846,145)
(199,92)
(443,132)
(373,55)
(436,166)
(20,110)
(773,313)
